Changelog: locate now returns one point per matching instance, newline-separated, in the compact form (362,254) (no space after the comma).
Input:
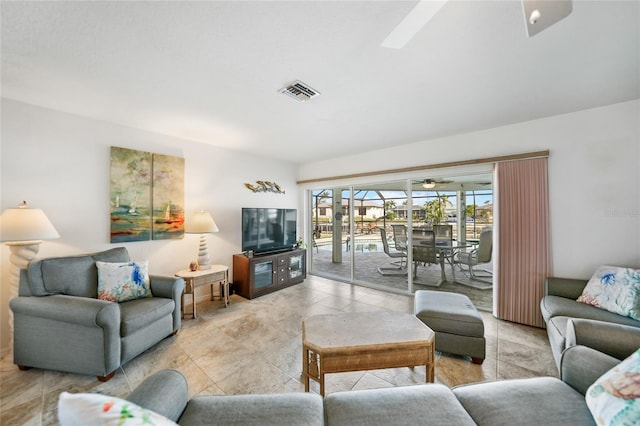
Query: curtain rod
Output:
(499,159)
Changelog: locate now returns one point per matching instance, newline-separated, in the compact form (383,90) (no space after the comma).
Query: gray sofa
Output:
(559,305)
(60,324)
(533,401)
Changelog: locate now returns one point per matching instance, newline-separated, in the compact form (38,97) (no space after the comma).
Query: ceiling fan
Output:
(431,183)
(539,15)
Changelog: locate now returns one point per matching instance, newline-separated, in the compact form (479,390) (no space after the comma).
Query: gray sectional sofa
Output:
(60,324)
(534,401)
(559,305)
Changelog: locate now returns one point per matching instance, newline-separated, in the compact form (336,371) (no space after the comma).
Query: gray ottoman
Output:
(457,323)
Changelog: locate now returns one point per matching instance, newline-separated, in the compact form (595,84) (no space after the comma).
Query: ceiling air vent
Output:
(300,92)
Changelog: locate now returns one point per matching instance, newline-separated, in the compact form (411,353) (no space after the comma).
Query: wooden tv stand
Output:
(265,273)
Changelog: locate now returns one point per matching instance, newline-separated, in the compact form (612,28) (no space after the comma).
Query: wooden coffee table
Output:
(338,343)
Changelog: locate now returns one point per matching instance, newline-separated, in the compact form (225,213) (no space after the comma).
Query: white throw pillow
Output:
(614,289)
(88,409)
(119,282)
(614,399)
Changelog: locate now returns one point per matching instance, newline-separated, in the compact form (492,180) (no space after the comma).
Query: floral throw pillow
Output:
(614,399)
(89,409)
(119,282)
(614,289)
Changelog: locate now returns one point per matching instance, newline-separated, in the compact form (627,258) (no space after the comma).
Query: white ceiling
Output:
(210,71)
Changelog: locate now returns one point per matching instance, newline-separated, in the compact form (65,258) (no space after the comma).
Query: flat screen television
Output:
(268,229)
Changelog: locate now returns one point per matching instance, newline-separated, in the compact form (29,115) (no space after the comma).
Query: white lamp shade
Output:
(23,224)
(201,223)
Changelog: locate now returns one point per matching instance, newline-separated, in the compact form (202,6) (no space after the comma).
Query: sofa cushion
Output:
(272,409)
(552,306)
(615,397)
(537,401)
(137,314)
(71,275)
(430,404)
(614,289)
(122,281)
(84,409)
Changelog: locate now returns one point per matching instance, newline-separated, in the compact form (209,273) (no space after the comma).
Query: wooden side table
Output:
(194,279)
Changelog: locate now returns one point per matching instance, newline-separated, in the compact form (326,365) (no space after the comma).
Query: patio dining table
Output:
(447,250)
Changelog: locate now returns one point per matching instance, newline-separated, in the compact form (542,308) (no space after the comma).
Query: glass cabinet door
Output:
(264,274)
(295,266)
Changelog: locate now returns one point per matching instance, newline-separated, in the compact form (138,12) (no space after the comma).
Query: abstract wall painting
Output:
(147,196)
(130,195)
(168,197)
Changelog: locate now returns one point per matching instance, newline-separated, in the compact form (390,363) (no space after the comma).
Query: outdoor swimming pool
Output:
(360,245)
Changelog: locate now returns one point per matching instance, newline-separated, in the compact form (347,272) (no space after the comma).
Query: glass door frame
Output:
(408,180)
(352,226)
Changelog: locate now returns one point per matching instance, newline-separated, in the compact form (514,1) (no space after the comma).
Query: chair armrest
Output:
(465,257)
(167,287)
(616,340)
(83,311)
(564,287)
(164,392)
(581,366)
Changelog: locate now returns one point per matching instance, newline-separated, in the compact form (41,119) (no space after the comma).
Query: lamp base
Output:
(203,254)
(21,254)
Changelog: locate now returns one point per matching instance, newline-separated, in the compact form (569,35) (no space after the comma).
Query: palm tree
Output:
(435,209)
(471,210)
(388,207)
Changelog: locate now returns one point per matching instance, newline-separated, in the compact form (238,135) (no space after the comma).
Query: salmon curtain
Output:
(522,242)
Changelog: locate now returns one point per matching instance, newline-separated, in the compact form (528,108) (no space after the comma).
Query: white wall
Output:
(594,178)
(60,163)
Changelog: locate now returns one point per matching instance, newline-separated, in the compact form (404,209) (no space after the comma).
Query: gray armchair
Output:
(60,324)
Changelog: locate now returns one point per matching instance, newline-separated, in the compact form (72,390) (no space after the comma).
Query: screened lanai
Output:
(349,225)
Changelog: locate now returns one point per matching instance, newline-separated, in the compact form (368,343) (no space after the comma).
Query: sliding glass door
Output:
(402,235)
(331,233)
(379,254)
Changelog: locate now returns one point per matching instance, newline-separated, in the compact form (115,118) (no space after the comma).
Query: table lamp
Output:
(23,229)
(202,223)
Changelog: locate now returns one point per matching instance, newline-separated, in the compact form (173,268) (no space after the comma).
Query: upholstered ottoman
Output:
(457,323)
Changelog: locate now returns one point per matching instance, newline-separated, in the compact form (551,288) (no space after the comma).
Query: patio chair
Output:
(400,237)
(424,249)
(444,236)
(398,270)
(479,255)
(444,233)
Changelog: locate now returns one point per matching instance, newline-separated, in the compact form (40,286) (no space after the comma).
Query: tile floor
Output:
(254,346)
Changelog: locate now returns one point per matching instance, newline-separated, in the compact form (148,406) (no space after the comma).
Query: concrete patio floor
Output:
(366,273)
